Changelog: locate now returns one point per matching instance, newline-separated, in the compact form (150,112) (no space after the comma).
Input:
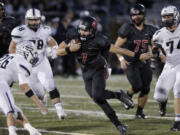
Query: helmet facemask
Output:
(87,24)
(169,16)
(137,14)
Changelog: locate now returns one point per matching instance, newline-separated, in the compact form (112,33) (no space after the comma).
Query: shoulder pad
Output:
(18,31)
(10,18)
(157,37)
(124,30)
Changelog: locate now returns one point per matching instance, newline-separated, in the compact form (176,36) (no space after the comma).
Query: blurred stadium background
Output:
(84,117)
(62,14)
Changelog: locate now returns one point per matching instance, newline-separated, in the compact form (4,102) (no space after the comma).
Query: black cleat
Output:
(127,101)
(140,116)
(122,129)
(162,108)
(176,126)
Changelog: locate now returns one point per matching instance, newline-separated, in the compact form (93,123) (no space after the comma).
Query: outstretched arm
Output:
(29,93)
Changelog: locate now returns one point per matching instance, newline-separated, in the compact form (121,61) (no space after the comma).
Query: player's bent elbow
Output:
(114,49)
(60,52)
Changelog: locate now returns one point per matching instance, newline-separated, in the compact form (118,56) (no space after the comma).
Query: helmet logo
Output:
(134,11)
(83,27)
(94,24)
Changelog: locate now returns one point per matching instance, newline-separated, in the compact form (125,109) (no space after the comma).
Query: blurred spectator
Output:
(68,61)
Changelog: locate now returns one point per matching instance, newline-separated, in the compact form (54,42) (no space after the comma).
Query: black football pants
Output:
(95,83)
(140,77)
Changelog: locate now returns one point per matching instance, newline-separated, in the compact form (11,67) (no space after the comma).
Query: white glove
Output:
(51,51)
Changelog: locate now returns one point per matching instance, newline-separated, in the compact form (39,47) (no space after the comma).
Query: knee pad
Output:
(160,95)
(54,94)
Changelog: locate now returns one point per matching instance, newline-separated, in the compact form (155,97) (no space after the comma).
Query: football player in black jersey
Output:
(7,23)
(137,37)
(91,50)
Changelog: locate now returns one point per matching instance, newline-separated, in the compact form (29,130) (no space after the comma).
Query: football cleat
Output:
(61,114)
(13,133)
(140,116)
(176,126)
(122,129)
(127,101)
(162,108)
(34,131)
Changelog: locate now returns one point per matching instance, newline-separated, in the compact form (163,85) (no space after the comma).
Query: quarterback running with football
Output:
(17,68)
(91,52)
(167,39)
(42,76)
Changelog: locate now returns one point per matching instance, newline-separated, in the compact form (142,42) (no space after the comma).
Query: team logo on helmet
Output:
(28,50)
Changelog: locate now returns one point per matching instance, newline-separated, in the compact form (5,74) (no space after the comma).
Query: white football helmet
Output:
(33,18)
(168,11)
(28,50)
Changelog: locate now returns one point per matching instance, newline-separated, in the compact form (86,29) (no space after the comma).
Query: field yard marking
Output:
(83,97)
(98,113)
(46,131)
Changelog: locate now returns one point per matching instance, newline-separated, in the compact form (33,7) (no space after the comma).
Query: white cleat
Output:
(13,133)
(61,114)
(34,131)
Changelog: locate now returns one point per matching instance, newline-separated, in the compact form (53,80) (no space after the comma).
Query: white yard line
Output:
(46,131)
(93,113)
(85,97)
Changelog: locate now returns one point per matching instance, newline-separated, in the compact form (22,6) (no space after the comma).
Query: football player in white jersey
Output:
(42,75)
(167,39)
(17,68)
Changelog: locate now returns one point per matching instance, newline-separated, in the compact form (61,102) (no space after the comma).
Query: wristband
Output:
(137,55)
(68,50)
(29,93)
(121,58)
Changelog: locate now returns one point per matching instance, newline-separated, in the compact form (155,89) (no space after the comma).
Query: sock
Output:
(177,117)
(139,110)
(129,94)
(28,126)
(12,129)
(58,105)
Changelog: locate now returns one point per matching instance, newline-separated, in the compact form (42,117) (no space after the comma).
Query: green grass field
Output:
(86,118)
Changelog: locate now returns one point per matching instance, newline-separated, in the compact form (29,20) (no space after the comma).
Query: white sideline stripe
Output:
(46,131)
(85,97)
(99,113)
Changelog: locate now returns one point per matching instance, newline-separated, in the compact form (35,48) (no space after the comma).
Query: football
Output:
(75,41)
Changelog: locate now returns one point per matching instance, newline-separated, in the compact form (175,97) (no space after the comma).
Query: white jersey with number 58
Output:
(39,37)
(170,42)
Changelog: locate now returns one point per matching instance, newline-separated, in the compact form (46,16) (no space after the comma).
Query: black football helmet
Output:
(2,10)
(138,9)
(87,23)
